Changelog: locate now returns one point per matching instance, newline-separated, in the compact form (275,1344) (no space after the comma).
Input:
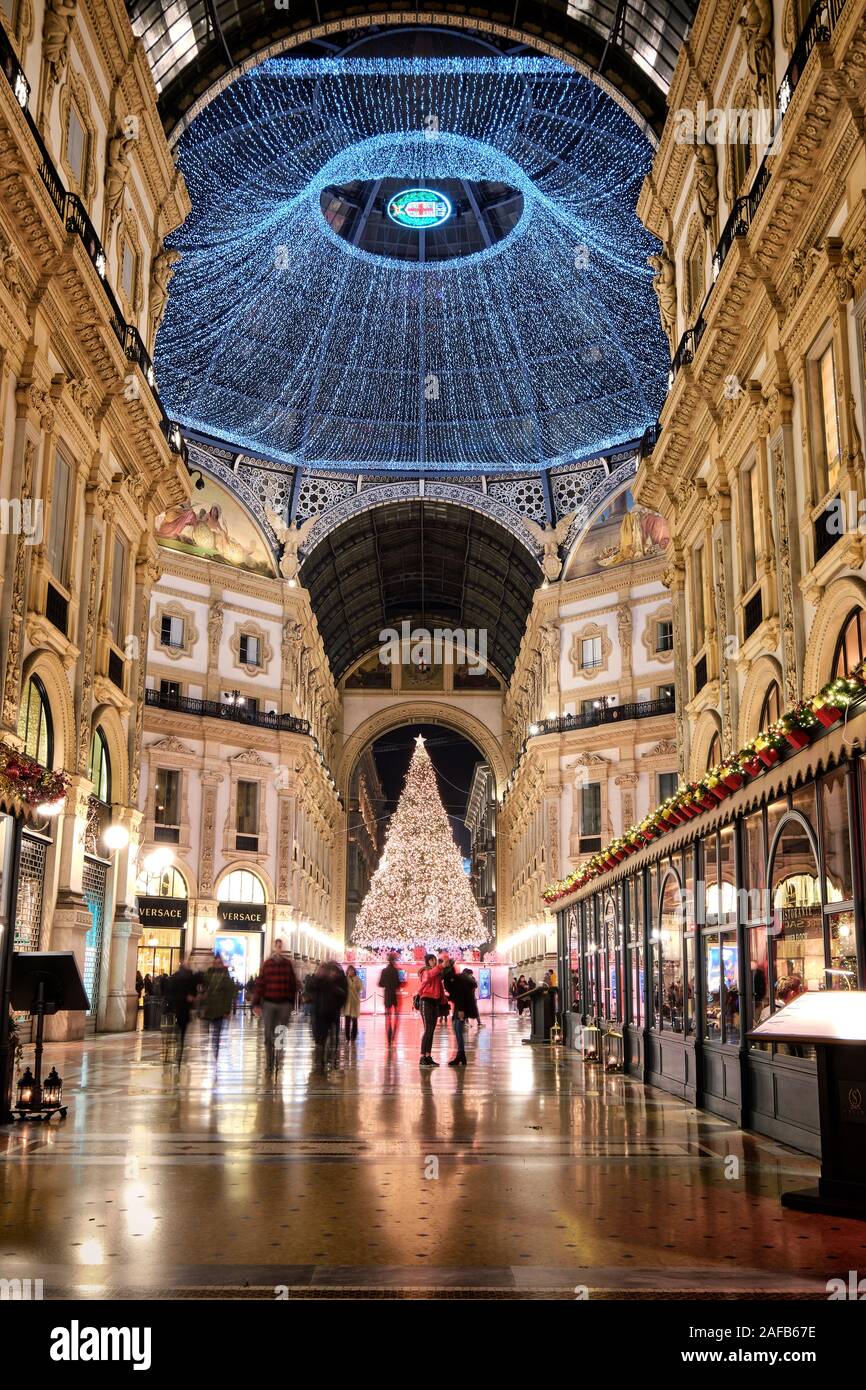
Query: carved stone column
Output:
(624,631)
(215,619)
(787,563)
(210,781)
(70,919)
(118,1014)
(675,580)
(146,575)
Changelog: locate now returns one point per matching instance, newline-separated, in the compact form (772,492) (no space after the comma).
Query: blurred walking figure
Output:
(472,998)
(219,998)
(460,993)
(352,1007)
(274,994)
(389,982)
(182,992)
(328,989)
(431,997)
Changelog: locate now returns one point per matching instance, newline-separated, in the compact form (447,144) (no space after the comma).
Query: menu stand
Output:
(834,1023)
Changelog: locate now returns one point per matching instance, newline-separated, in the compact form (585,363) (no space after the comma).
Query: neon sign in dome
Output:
(419,208)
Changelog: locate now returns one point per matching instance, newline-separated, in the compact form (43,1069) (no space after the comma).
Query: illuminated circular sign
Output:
(419,208)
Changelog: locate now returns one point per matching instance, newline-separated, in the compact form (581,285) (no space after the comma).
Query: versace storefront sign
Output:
(162,912)
(242,916)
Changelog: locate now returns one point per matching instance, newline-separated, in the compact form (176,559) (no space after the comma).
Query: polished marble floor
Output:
(524,1175)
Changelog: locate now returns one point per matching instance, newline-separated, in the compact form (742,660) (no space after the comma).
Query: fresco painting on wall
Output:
(214,526)
(641,533)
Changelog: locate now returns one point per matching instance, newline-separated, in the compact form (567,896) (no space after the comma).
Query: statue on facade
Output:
(707,181)
(665,286)
(756,22)
(550,538)
(161,271)
(117,169)
(56,31)
(292,539)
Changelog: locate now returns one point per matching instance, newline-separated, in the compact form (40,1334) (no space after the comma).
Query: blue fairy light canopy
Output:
(306,324)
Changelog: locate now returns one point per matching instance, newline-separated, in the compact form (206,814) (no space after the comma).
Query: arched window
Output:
(34,723)
(100,767)
(771,709)
(242,887)
(851,646)
(168,883)
(714,756)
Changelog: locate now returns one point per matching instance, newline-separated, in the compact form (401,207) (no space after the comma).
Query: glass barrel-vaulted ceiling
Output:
(192,44)
(530,343)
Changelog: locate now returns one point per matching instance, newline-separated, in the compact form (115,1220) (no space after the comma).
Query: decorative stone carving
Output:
(550,538)
(724,673)
(707,180)
(589,673)
(210,783)
(786,581)
(665,286)
(171,744)
(85,707)
(56,32)
(756,22)
(190,631)
(214,632)
(802,265)
(10,273)
(649,636)
(247,628)
(117,170)
(12,674)
(292,540)
(161,271)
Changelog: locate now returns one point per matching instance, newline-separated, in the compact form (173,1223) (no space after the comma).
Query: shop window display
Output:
(836,836)
(673,981)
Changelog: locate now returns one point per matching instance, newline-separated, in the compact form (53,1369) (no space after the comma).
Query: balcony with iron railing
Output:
(818,28)
(604,714)
(236,713)
(75,219)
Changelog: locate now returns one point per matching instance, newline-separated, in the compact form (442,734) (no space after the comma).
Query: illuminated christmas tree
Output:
(419,894)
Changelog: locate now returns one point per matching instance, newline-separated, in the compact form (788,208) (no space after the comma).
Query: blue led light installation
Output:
(286,339)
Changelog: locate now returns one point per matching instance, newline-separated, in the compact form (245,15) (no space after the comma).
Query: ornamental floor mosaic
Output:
(523,1175)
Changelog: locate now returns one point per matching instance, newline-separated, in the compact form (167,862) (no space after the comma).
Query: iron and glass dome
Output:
(306,325)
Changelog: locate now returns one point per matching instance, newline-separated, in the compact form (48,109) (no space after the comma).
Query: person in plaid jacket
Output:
(274,997)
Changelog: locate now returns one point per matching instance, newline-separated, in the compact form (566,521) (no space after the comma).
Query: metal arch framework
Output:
(630,50)
(421,560)
(447,713)
(388,493)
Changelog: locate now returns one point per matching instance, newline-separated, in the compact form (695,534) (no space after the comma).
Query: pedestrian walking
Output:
(390,984)
(219,997)
(352,1006)
(182,993)
(328,990)
(273,998)
(431,997)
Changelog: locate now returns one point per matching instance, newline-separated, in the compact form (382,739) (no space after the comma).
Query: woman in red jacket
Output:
(430,994)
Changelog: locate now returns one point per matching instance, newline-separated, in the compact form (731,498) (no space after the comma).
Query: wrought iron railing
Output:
(818,28)
(605,714)
(76,221)
(236,713)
